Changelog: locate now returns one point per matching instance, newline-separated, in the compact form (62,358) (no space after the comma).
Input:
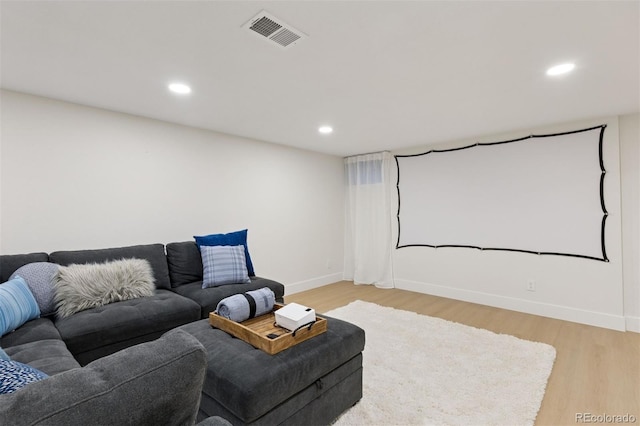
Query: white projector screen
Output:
(540,194)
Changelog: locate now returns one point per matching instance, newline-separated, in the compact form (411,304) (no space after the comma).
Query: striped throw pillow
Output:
(223,265)
(17,305)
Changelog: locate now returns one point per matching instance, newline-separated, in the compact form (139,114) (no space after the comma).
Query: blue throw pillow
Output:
(17,305)
(3,355)
(223,265)
(15,375)
(238,238)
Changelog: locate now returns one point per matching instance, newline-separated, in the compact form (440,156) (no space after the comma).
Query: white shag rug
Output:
(420,370)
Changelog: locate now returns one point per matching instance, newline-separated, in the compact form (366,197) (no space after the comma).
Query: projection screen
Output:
(539,194)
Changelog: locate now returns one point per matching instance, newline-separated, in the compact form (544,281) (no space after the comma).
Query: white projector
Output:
(293,315)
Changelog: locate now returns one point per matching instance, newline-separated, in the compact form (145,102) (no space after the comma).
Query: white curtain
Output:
(368,245)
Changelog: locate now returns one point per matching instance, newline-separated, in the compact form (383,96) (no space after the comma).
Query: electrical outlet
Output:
(531,285)
(329,264)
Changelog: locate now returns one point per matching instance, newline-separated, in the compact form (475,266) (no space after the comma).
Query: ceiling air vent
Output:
(274,30)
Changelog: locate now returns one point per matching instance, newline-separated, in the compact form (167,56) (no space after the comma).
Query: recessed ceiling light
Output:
(325,130)
(180,88)
(561,69)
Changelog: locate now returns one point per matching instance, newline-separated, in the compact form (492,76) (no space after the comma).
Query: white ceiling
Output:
(384,74)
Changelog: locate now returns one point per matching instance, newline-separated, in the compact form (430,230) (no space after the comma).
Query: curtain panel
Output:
(368,245)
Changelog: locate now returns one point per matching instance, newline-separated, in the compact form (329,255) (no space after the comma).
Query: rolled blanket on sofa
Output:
(243,306)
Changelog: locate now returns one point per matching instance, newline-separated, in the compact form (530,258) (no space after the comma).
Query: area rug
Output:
(420,370)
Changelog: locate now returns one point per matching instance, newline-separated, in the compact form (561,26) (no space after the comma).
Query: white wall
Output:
(630,185)
(74,177)
(573,289)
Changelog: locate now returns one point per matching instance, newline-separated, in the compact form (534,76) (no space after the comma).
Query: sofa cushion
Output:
(223,265)
(208,298)
(31,331)
(154,253)
(156,383)
(230,239)
(38,343)
(185,263)
(101,331)
(50,356)
(15,375)
(81,287)
(10,262)
(3,355)
(40,277)
(17,305)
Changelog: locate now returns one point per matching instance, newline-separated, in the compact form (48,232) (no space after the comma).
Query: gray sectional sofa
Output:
(95,333)
(104,337)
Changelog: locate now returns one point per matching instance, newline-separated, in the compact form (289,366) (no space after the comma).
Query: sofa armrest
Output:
(157,383)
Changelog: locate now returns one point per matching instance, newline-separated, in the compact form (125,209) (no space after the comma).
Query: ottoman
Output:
(310,383)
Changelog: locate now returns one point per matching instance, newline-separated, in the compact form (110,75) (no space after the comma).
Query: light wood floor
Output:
(596,370)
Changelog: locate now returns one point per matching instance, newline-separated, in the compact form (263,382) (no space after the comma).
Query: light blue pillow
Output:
(15,375)
(231,239)
(3,355)
(223,265)
(17,305)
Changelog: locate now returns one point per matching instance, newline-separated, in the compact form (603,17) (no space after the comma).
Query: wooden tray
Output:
(255,330)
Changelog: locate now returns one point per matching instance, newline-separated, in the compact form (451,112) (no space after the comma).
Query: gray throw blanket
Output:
(240,307)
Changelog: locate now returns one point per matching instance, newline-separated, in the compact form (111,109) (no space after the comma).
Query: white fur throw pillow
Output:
(80,287)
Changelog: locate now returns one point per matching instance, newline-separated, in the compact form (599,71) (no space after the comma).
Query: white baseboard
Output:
(633,324)
(312,283)
(565,313)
